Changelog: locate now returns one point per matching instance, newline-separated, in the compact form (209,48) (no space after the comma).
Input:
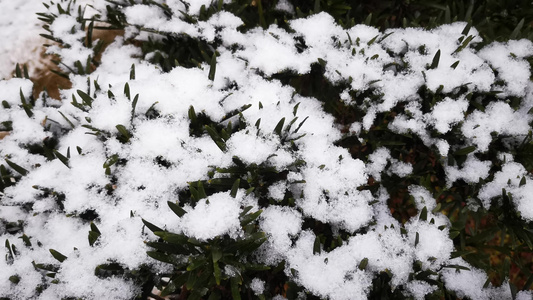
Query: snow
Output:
(153,17)
(21,43)
(524,295)
(433,248)
(514,71)
(286,6)
(214,216)
(448,112)
(326,183)
(258,286)
(250,148)
(281,223)
(466,283)
(472,170)
(422,198)
(277,190)
(498,117)
(419,289)
(509,178)
(329,275)
(470,283)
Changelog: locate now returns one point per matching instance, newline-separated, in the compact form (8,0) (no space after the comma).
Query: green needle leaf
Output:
(465,151)
(94,228)
(235,292)
(110,161)
(279,126)
(435,62)
(18,73)
(86,99)
(127,91)
(464,44)
(192,115)
(368,19)
(151,226)
(176,209)
(213,67)
(57,255)
(363,264)
(10,254)
(247,219)
(159,256)
(132,72)
(93,237)
(90,35)
(26,106)
(201,191)
(216,254)
(424,214)
(217,273)
(316,246)
(196,263)
(124,132)
(517,30)
(235,188)
(16,167)
(62,158)
(454,65)
(215,137)
(466,30)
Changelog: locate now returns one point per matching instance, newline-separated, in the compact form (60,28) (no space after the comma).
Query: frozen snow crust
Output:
(223,178)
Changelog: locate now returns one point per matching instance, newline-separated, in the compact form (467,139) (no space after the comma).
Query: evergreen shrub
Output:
(270,150)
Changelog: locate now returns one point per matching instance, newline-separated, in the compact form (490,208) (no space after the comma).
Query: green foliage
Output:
(221,267)
(209,268)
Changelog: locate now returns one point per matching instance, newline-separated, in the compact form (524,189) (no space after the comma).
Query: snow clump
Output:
(109,162)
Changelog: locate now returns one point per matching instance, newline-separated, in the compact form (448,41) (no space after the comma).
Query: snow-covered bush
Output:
(215,161)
